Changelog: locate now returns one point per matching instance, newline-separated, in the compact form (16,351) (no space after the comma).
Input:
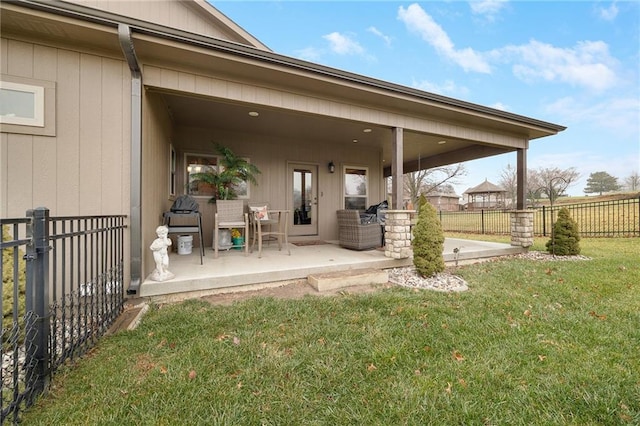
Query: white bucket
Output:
(185,242)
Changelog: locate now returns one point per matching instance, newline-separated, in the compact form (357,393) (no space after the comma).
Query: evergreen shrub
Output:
(565,240)
(428,240)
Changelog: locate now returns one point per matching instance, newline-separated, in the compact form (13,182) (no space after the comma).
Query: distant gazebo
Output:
(485,196)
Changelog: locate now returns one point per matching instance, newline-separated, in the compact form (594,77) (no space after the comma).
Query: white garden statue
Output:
(161,255)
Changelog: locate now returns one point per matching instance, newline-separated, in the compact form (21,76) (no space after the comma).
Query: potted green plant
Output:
(232,172)
(237,239)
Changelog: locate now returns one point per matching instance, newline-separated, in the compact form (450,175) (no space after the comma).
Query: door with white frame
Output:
(303,198)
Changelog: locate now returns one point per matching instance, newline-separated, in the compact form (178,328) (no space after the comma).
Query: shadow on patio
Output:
(233,271)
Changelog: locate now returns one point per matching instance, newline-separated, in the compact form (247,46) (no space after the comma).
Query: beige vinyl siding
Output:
(68,149)
(182,15)
(84,168)
(19,159)
(115,170)
(156,133)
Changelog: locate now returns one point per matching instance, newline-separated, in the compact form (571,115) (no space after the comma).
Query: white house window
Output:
(197,163)
(21,104)
(356,188)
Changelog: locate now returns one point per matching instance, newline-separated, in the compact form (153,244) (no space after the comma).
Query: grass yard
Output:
(531,343)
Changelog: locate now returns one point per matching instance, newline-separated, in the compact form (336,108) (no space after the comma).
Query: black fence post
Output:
(482,219)
(544,222)
(37,300)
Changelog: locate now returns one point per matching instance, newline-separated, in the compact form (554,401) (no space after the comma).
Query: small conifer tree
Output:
(565,240)
(428,240)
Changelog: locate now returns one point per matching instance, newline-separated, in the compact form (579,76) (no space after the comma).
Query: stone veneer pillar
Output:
(522,228)
(397,234)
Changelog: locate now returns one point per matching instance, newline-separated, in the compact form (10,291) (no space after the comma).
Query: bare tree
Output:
(551,182)
(632,182)
(534,187)
(446,188)
(509,182)
(428,180)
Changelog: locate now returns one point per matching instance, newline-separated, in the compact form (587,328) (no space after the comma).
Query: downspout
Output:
(135,220)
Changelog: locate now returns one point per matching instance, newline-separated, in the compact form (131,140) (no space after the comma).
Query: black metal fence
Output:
(62,288)
(616,218)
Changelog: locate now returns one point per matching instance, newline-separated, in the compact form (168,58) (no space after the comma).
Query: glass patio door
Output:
(303,195)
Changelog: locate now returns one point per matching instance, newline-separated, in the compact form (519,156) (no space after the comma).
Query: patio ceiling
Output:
(427,150)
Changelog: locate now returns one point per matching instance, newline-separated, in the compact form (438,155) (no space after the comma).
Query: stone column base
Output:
(522,228)
(397,234)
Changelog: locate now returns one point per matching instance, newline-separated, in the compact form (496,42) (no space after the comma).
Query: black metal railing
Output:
(63,279)
(476,221)
(615,218)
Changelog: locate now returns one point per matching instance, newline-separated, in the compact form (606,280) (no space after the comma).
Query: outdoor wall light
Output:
(332,167)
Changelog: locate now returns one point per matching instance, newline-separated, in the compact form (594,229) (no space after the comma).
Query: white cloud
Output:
(619,115)
(343,45)
(448,88)
(588,64)
(417,20)
(309,54)
(500,106)
(585,162)
(608,13)
(385,38)
(487,8)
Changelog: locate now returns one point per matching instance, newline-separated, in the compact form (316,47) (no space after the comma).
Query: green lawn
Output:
(531,343)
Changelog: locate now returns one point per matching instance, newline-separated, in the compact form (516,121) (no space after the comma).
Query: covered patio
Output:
(233,271)
(165,86)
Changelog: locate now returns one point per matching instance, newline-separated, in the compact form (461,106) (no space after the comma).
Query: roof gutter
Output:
(135,219)
(143,27)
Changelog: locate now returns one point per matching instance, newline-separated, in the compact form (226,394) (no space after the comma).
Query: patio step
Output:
(340,279)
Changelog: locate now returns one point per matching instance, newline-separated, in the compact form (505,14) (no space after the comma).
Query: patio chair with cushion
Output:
(259,215)
(354,234)
(230,214)
(267,224)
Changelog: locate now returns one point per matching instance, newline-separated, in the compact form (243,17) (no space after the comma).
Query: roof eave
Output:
(538,128)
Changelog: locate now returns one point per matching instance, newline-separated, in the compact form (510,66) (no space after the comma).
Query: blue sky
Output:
(573,63)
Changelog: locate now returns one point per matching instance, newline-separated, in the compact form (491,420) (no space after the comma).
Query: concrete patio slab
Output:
(233,271)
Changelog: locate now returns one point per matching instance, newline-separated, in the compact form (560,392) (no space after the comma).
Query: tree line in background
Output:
(553,182)
(542,183)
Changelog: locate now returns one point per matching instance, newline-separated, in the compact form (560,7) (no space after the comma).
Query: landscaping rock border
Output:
(447,282)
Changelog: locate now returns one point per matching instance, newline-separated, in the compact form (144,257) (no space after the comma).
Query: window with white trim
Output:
(199,163)
(21,104)
(356,188)
(195,164)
